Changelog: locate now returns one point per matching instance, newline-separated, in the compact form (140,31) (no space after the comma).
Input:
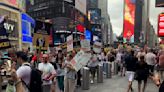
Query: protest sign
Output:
(70,43)
(85,45)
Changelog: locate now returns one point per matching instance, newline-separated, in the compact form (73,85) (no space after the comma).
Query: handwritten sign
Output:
(80,60)
(85,45)
(97,47)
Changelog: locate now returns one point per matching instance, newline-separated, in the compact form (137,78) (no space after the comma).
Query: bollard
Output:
(100,74)
(108,70)
(115,68)
(86,78)
(1,82)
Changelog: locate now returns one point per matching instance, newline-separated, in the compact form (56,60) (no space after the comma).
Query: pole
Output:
(0,82)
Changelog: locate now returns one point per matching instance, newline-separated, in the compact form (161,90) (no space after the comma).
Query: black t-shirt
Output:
(161,89)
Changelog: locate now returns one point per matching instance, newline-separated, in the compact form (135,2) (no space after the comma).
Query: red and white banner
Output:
(161,25)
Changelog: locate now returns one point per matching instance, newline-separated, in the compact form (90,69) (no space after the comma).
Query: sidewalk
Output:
(117,84)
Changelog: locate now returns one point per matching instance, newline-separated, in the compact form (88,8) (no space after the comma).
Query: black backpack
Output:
(36,80)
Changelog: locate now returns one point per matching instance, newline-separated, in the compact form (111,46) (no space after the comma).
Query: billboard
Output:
(81,5)
(41,35)
(11,2)
(129,20)
(161,25)
(94,16)
(92,3)
(159,3)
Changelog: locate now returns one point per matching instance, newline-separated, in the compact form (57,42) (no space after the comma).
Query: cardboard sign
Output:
(81,59)
(4,44)
(97,47)
(69,43)
(85,45)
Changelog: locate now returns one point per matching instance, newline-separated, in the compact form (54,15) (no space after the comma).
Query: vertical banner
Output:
(161,25)
(70,43)
(129,20)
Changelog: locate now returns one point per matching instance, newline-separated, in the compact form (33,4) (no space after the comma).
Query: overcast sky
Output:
(115,10)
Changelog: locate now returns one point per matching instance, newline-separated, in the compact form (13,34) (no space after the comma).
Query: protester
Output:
(60,70)
(53,62)
(93,63)
(142,73)
(48,73)
(70,78)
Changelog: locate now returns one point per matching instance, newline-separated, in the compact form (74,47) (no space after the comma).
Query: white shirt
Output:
(118,56)
(150,58)
(47,70)
(140,54)
(24,72)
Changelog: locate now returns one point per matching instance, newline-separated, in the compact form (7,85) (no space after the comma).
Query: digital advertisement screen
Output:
(94,15)
(129,20)
(161,25)
(159,3)
(88,35)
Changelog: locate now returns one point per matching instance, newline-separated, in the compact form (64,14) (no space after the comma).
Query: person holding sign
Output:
(70,77)
(93,63)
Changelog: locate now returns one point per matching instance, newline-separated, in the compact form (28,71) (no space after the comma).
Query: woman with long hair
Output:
(60,70)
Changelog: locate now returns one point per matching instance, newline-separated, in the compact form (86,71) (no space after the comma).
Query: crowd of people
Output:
(47,72)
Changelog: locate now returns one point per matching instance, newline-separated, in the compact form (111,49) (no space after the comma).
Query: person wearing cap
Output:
(48,73)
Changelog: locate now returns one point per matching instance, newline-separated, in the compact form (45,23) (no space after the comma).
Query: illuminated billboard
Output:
(159,3)
(161,25)
(94,16)
(11,2)
(129,20)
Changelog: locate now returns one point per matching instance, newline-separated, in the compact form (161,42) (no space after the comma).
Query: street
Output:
(117,84)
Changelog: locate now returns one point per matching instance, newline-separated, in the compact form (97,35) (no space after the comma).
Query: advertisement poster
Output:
(94,15)
(159,3)
(129,20)
(41,35)
(81,59)
(70,43)
(4,44)
(85,45)
(11,2)
(161,25)
(97,47)
(3,31)
(41,41)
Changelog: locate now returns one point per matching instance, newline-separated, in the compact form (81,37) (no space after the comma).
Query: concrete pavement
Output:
(117,84)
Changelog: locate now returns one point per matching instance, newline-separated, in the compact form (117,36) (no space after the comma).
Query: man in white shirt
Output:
(48,73)
(150,59)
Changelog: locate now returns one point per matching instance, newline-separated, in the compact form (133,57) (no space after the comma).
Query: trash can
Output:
(100,74)
(115,68)
(85,78)
(108,70)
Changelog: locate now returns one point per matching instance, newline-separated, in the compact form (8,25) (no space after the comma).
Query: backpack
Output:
(35,81)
